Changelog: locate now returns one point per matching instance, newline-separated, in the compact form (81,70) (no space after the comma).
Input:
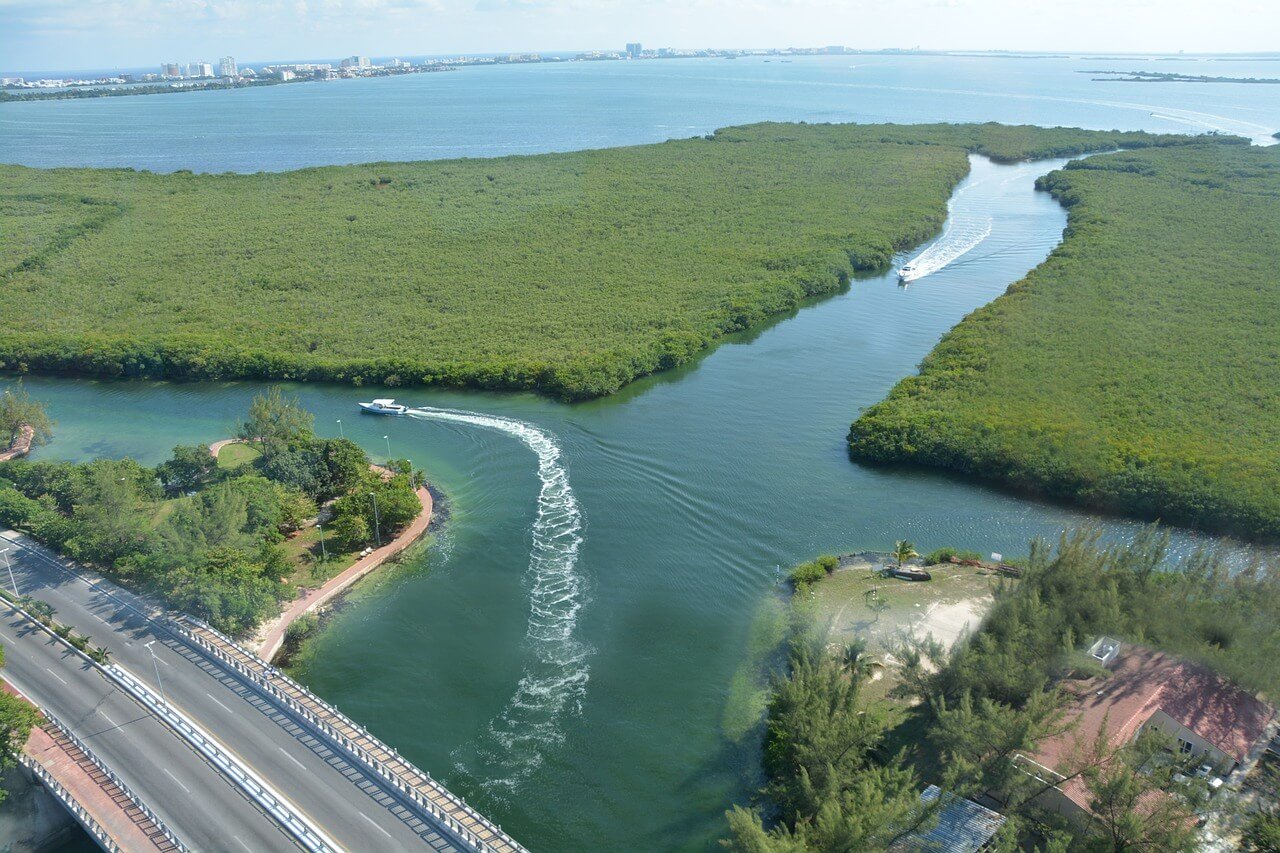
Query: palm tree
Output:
(855,661)
(903,550)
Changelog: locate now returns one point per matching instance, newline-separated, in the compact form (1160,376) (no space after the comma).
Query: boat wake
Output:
(555,675)
(964,232)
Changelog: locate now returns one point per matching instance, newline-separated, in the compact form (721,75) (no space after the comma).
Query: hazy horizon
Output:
(62,35)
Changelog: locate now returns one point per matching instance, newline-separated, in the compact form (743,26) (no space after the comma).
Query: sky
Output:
(65,35)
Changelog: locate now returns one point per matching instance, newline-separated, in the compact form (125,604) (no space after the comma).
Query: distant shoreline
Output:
(7,96)
(1168,77)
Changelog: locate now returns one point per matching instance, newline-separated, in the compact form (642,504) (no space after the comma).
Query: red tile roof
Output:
(1142,682)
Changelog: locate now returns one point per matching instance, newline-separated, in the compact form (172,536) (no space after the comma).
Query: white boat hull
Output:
(371,409)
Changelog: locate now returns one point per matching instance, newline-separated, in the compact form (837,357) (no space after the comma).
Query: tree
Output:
(17,716)
(111,519)
(397,506)
(17,408)
(347,465)
(275,422)
(1262,832)
(833,789)
(190,468)
(298,467)
(1126,796)
(979,739)
(878,605)
(903,551)
(350,530)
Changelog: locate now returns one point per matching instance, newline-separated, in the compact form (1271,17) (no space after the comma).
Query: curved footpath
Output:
(271,635)
(21,445)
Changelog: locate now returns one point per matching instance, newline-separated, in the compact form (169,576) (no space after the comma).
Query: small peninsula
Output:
(267,529)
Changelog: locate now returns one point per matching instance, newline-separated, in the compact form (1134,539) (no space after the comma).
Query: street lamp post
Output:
(156,664)
(324,555)
(377,524)
(9,566)
(341,434)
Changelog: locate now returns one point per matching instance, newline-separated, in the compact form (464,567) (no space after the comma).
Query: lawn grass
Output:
(569,273)
(235,455)
(304,553)
(1138,369)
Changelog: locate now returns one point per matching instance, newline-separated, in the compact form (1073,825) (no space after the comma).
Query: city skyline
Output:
(65,36)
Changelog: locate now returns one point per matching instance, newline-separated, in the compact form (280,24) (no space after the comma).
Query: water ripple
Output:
(555,676)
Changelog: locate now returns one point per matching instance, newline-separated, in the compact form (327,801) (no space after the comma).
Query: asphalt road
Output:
(356,809)
(155,764)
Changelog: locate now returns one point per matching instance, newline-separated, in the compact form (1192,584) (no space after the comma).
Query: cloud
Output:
(62,34)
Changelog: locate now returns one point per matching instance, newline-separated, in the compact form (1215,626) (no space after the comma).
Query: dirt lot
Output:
(857,603)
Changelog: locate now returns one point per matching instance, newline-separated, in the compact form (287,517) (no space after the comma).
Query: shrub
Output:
(17,510)
(807,573)
(944,555)
(939,555)
(301,628)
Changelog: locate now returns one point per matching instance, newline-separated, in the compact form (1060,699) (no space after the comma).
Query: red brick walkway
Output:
(95,792)
(270,641)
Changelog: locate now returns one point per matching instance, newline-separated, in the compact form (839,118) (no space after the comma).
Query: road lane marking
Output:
(108,719)
(175,778)
(291,758)
(242,844)
(55,675)
(375,826)
(219,704)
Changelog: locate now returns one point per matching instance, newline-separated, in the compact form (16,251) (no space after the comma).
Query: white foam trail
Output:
(554,680)
(964,232)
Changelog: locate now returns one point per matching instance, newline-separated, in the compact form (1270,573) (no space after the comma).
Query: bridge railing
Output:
(68,800)
(171,841)
(309,836)
(417,786)
(273,804)
(443,806)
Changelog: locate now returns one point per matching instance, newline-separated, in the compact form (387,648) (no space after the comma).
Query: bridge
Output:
(201,744)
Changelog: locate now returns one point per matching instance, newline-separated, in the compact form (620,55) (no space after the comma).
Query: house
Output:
(1208,718)
(962,826)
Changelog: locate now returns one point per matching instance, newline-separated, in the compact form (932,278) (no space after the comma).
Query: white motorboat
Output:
(906,273)
(383,407)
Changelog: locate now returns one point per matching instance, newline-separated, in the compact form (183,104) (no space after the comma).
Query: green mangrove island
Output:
(1138,368)
(567,273)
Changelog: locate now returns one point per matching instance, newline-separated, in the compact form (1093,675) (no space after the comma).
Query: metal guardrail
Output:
(68,800)
(174,843)
(310,836)
(275,805)
(360,743)
(313,709)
